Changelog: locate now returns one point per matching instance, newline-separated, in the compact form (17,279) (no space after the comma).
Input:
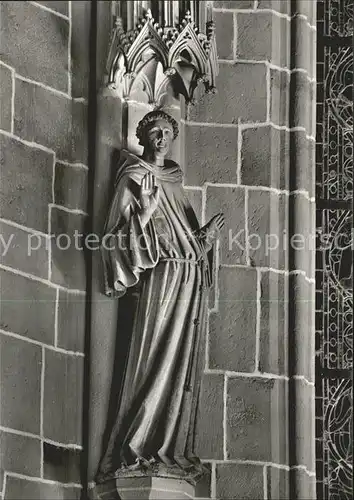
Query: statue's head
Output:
(156,132)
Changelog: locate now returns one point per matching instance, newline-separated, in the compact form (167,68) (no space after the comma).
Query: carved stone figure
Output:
(153,239)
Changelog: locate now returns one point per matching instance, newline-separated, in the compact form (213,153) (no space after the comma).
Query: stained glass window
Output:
(334,254)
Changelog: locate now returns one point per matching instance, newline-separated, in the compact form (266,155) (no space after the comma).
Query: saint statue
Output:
(153,239)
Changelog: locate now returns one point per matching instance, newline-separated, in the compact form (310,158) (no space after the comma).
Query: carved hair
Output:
(152,117)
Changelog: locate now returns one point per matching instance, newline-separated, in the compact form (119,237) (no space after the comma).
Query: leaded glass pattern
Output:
(334,254)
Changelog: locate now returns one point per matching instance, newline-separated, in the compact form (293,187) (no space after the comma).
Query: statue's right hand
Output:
(149,197)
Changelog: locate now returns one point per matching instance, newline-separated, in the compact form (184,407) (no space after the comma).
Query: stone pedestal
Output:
(150,488)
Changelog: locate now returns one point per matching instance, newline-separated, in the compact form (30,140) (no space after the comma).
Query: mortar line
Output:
(23,228)
(17,432)
(41,280)
(43,86)
(225,418)
(13,90)
(213,480)
(4,486)
(268,93)
(76,211)
(53,179)
(247,250)
(271,65)
(265,483)
(260,375)
(42,480)
(56,316)
(260,463)
(30,144)
(69,50)
(48,9)
(2,63)
(268,11)
(251,125)
(41,344)
(270,269)
(74,164)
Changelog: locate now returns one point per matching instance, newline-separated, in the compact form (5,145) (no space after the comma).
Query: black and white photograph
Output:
(176,250)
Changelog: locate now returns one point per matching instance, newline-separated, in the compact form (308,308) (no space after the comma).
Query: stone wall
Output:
(250,153)
(44,73)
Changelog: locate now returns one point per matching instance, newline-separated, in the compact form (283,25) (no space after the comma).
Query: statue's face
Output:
(159,137)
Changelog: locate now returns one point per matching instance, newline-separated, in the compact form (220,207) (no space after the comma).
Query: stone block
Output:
(279,97)
(267,217)
(51,120)
(62,6)
(19,454)
(23,489)
(301,104)
(68,265)
(23,250)
(235,4)
(256,420)
(35,42)
(210,155)
(265,157)
(243,480)
(6,98)
(70,186)
(273,351)
(71,321)
(300,312)
(36,302)
(243,96)
(61,464)
(80,43)
(262,36)
(224,32)
(26,183)
(232,330)
(63,393)
(209,426)
(231,202)
(20,402)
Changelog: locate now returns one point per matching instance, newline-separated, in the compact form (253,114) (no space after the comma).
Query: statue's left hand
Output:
(216,223)
(213,227)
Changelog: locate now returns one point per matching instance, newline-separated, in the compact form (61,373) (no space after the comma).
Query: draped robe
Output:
(168,258)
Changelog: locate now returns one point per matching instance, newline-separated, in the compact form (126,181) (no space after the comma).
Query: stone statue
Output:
(152,238)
